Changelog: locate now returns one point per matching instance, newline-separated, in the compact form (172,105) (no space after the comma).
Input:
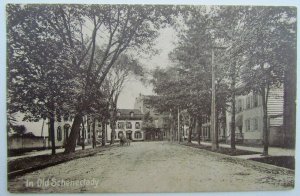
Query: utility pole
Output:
(214,130)
(213,103)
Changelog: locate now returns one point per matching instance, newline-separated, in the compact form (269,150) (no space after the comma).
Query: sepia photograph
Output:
(150,98)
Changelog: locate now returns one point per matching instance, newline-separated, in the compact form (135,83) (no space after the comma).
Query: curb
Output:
(16,173)
(247,161)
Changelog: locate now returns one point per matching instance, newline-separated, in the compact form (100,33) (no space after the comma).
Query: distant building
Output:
(129,123)
(206,129)
(161,121)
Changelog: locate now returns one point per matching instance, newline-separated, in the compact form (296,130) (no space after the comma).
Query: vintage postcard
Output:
(150,98)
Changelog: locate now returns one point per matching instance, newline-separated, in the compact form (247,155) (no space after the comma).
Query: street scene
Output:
(150,98)
(158,167)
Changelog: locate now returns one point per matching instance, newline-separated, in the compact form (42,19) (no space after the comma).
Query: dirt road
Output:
(154,167)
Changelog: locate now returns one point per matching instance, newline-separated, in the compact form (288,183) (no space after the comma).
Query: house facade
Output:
(62,130)
(249,118)
(129,123)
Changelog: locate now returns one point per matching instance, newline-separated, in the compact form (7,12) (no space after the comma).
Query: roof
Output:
(128,111)
(130,114)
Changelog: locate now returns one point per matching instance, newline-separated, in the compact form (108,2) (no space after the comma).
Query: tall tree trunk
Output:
(265,121)
(83,134)
(94,132)
(174,130)
(190,130)
(178,125)
(113,128)
(232,132)
(217,128)
(71,144)
(171,129)
(199,129)
(52,132)
(103,133)
(289,108)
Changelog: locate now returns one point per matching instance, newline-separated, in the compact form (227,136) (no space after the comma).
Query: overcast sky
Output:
(132,89)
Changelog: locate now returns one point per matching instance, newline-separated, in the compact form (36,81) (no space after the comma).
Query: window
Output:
(89,131)
(255,124)
(138,135)
(247,124)
(59,136)
(120,125)
(118,114)
(240,107)
(248,105)
(120,134)
(128,125)
(255,100)
(131,114)
(137,125)
(66,131)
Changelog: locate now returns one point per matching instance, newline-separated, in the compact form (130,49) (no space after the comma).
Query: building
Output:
(160,121)
(206,129)
(129,123)
(62,130)
(249,118)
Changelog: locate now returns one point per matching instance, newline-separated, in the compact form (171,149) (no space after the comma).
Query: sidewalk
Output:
(273,151)
(44,152)
(32,162)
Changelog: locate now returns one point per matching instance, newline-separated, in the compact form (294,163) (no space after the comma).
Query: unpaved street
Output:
(156,167)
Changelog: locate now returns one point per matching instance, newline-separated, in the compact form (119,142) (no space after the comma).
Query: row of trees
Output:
(72,60)
(253,49)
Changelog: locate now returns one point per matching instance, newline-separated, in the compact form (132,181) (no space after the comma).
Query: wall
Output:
(26,143)
(276,134)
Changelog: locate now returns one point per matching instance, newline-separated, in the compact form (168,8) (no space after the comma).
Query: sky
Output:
(165,44)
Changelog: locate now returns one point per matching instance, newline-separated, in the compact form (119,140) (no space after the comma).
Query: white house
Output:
(249,118)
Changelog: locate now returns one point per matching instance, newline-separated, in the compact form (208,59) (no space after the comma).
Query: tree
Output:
(193,59)
(273,34)
(19,129)
(127,27)
(125,66)
(37,82)
(74,50)
(231,28)
(148,124)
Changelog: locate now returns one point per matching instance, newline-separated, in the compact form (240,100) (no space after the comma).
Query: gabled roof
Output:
(128,111)
(130,114)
